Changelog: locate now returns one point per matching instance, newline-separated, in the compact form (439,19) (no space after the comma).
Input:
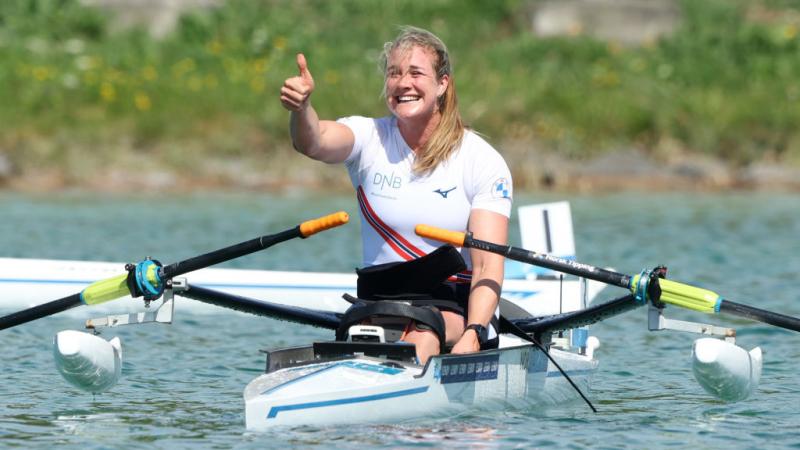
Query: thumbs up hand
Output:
(297,90)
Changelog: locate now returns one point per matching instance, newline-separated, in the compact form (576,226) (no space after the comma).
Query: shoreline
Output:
(623,170)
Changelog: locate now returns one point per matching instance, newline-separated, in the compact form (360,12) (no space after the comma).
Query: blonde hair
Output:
(446,138)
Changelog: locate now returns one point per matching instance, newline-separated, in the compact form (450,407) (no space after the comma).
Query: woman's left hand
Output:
(468,343)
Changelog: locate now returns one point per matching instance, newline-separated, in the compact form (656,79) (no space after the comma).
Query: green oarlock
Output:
(105,290)
(689,297)
(113,288)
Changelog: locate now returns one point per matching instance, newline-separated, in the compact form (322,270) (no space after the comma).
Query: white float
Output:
(726,370)
(86,361)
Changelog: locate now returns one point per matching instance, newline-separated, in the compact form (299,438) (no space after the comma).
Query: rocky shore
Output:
(633,170)
(288,172)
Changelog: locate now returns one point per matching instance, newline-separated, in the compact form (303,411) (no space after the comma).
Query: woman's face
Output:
(412,88)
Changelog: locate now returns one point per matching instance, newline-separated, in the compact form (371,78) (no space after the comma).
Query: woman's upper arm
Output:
(336,142)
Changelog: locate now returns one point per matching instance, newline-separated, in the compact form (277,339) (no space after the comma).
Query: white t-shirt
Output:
(392,200)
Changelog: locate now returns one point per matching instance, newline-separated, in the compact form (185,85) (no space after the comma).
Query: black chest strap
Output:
(427,314)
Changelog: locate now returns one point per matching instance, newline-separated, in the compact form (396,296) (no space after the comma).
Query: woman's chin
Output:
(408,112)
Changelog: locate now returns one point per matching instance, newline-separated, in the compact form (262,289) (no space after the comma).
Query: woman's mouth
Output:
(406,98)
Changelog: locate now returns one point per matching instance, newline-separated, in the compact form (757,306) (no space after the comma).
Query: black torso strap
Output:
(361,310)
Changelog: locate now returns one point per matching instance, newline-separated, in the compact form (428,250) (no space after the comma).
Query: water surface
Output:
(182,384)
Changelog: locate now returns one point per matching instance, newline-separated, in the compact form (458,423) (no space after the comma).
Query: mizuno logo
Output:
(444,193)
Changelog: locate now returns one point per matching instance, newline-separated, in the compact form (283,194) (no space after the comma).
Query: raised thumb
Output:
(302,66)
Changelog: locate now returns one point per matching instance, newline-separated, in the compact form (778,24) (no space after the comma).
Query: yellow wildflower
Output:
(107,92)
(150,73)
(142,101)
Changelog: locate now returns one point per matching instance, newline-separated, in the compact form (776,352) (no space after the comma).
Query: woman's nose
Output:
(404,79)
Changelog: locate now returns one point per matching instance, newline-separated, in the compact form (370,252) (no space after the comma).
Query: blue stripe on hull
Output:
(23,280)
(351,364)
(273,412)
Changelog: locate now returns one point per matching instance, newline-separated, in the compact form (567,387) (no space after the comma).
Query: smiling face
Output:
(412,85)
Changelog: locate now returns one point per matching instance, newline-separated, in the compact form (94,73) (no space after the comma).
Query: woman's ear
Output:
(444,82)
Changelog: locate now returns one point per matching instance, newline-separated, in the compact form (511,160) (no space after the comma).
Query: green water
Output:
(182,384)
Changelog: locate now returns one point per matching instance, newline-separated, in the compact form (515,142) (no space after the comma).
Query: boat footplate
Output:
(288,357)
(337,349)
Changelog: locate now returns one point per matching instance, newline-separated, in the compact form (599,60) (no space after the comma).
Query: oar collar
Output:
(645,286)
(144,279)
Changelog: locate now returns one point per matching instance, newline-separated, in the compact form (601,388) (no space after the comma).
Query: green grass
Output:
(79,97)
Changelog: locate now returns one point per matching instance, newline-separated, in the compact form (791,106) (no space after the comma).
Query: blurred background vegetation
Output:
(83,99)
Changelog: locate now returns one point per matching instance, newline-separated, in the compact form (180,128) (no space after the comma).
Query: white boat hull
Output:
(367,390)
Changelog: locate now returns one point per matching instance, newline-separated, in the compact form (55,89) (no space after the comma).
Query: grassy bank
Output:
(82,101)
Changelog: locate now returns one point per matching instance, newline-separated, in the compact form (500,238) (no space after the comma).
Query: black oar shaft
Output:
(760,315)
(228,253)
(552,262)
(39,311)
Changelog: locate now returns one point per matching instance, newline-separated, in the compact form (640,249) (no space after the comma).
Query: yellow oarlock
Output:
(685,296)
(113,288)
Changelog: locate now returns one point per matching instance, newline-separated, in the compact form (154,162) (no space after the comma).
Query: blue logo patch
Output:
(501,188)
(444,193)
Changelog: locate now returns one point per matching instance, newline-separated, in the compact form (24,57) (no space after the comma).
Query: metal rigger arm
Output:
(162,314)
(656,322)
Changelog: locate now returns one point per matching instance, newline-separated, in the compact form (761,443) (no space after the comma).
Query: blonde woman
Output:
(419,164)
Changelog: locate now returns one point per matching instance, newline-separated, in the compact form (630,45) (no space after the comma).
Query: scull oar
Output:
(148,278)
(645,286)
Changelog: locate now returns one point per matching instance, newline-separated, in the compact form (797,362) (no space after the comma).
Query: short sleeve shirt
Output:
(393,200)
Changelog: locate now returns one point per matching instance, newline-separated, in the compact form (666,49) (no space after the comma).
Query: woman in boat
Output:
(418,165)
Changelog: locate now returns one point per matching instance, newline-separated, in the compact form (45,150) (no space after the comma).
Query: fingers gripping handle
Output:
(314,226)
(456,238)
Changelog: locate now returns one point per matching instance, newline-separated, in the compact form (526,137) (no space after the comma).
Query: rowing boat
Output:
(315,385)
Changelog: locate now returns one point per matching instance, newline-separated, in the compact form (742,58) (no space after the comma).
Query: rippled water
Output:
(182,384)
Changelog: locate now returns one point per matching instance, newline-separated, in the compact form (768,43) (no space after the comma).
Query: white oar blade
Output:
(726,370)
(88,362)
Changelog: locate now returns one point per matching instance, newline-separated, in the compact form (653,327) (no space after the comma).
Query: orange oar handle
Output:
(451,237)
(314,226)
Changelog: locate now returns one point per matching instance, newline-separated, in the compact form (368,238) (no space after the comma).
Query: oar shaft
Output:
(561,265)
(39,311)
(228,253)
(760,315)
(303,230)
(461,239)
